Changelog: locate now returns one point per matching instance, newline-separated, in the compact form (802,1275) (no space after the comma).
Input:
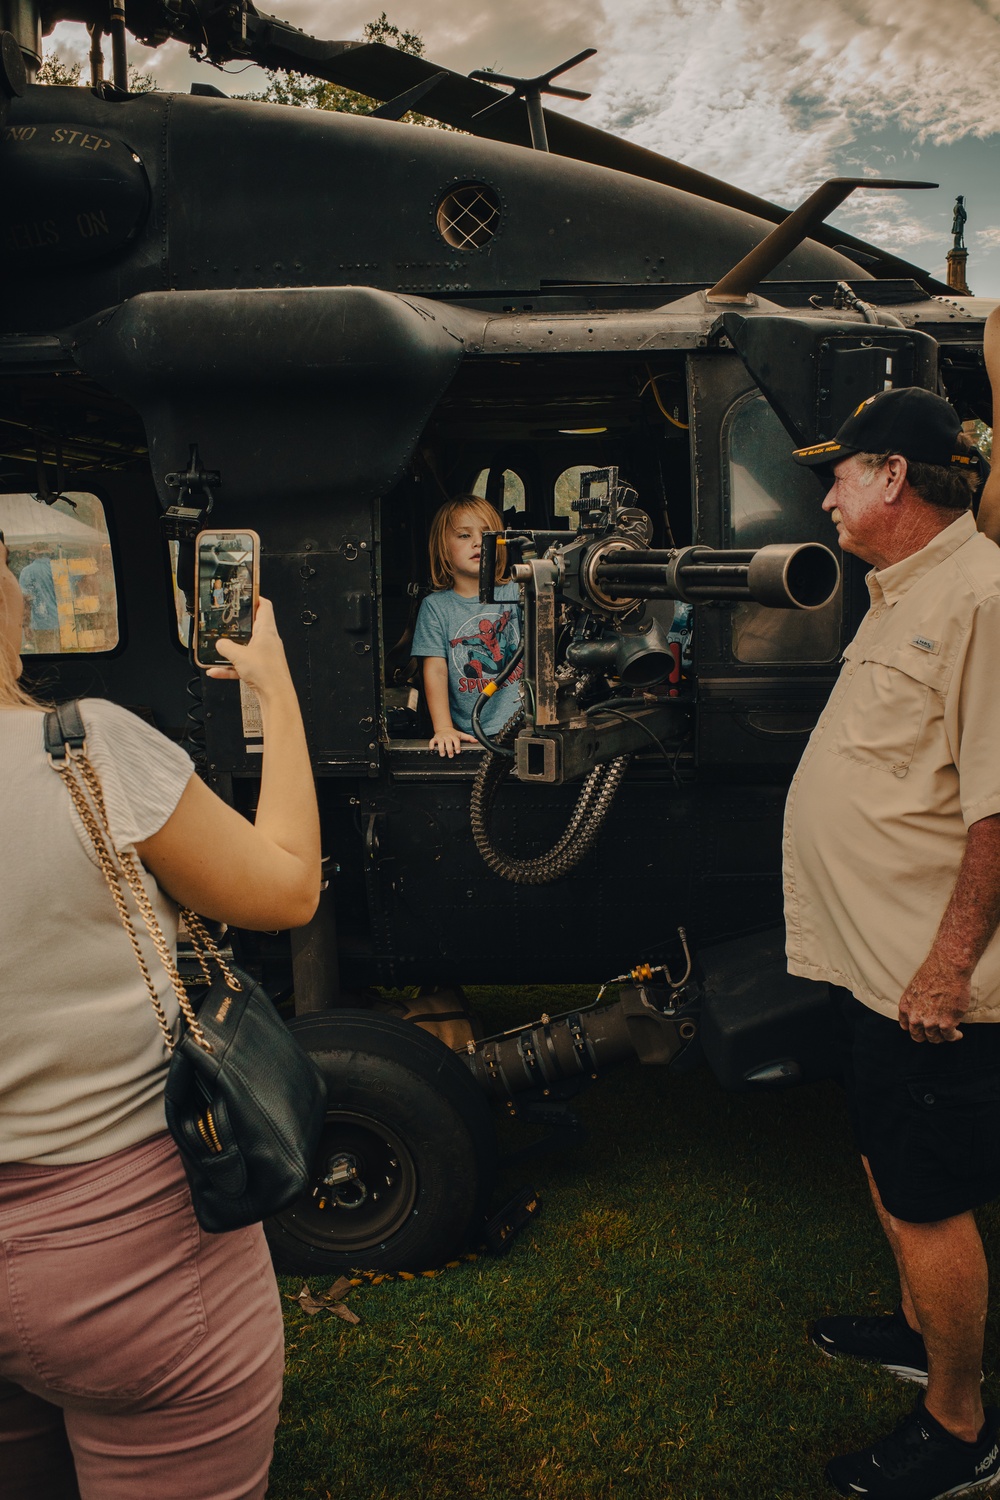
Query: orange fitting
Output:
(489,690)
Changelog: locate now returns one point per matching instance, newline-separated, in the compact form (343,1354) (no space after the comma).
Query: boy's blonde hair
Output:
(441,575)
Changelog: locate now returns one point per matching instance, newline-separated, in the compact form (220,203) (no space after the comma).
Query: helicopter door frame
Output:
(748,713)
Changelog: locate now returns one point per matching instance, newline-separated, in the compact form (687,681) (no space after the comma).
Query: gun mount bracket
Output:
(183,521)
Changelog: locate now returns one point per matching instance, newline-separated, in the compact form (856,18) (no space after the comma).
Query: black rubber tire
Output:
(408,1101)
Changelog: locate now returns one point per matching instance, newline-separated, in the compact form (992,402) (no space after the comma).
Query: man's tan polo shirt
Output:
(905,758)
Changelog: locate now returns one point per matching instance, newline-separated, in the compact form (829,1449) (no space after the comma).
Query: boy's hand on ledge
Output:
(449,742)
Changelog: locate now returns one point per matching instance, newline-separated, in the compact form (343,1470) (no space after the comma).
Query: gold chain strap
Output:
(201,939)
(202,943)
(74,768)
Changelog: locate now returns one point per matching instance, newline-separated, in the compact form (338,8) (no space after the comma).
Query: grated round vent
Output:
(469,215)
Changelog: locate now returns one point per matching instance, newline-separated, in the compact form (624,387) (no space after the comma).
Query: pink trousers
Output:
(140,1358)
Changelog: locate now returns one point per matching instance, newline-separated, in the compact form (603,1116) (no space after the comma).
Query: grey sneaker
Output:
(887,1341)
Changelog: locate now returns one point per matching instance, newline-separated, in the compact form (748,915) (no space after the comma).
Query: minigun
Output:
(589,637)
(592,652)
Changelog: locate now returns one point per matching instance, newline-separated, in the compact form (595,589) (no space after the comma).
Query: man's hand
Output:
(940,992)
(934,1001)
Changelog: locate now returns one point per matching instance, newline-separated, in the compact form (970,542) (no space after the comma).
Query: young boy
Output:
(465,644)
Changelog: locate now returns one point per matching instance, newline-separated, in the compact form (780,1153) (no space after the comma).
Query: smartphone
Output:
(227,586)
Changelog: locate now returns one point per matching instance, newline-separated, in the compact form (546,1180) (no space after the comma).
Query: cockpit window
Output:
(773,499)
(61,554)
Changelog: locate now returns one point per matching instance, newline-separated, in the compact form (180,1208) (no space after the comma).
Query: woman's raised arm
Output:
(260,875)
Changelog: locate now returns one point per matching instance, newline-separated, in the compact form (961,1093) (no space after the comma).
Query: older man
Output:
(892,895)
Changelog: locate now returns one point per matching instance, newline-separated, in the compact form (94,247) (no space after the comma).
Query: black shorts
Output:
(926,1115)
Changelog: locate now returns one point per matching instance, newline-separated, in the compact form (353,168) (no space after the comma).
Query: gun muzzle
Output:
(802,575)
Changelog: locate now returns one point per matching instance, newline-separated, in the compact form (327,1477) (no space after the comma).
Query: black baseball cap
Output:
(916,424)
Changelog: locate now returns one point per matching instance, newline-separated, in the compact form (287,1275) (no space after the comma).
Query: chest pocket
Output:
(891,694)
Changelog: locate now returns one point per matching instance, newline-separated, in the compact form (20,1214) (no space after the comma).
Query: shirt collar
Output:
(893,582)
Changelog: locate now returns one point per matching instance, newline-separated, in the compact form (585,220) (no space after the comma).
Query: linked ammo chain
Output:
(593,803)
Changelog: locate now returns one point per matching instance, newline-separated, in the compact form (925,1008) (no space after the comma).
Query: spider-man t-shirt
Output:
(477,641)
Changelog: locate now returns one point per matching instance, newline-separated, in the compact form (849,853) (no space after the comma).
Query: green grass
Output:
(646,1337)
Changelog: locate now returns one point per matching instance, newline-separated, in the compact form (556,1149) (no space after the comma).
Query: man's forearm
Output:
(973,913)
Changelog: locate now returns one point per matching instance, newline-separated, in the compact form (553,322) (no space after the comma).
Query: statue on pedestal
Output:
(958,223)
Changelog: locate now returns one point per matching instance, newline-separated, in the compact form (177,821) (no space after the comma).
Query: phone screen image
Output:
(227,563)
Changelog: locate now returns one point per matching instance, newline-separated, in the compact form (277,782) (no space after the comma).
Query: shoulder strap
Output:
(64,730)
(66,745)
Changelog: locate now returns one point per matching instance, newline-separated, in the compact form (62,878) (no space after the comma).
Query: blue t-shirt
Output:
(477,641)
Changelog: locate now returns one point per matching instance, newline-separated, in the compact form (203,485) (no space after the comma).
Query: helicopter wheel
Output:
(407,1159)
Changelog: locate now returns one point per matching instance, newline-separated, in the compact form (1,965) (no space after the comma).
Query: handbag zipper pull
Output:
(208,1132)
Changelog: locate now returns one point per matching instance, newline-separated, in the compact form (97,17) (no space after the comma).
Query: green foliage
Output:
(140,81)
(982,436)
(646,1338)
(316,93)
(57,71)
(382,30)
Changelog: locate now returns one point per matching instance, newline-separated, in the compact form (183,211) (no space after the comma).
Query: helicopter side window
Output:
(61,554)
(503,488)
(183,618)
(771,499)
(565,491)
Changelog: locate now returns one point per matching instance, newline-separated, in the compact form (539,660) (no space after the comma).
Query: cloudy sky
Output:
(772,95)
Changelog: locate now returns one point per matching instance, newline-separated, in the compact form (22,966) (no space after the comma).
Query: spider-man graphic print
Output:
(484,654)
(477,641)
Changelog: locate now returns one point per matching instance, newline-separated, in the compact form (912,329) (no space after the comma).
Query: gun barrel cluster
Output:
(802,575)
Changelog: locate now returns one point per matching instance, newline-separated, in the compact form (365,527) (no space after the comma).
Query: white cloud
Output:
(988,238)
(766,93)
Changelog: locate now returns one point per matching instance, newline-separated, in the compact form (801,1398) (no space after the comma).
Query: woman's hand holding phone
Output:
(261,664)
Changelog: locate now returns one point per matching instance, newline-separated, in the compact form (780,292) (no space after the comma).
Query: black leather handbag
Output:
(244,1104)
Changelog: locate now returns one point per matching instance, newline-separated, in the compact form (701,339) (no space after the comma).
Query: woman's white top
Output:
(82,1059)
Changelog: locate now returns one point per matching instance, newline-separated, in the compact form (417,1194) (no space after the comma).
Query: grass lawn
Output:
(646,1337)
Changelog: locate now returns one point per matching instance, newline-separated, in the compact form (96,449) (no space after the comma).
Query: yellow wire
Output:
(656,394)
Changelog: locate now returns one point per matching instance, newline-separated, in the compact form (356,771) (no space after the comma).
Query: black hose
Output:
(193,738)
(477,712)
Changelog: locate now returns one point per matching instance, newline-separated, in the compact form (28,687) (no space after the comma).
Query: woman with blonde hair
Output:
(139,1356)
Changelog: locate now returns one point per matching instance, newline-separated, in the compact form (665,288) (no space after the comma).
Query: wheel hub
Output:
(365,1189)
(343,1186)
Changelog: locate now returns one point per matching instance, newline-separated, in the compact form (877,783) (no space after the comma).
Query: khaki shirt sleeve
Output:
(972,714)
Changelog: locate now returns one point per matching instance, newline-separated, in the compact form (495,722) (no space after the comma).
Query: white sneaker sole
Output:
(978,1487)
(901,1372)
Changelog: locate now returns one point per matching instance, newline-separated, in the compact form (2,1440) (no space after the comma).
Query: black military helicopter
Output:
(319,326)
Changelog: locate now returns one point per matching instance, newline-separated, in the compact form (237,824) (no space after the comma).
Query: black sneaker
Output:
(887,1341)
(921,1460)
